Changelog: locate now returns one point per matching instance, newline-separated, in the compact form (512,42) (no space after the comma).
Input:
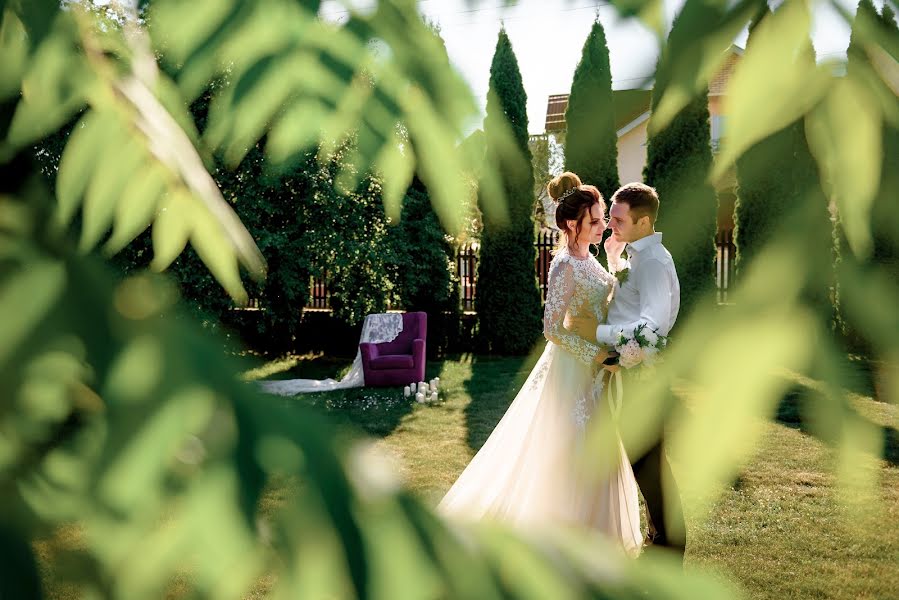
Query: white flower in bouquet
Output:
(630,354)
(650,336)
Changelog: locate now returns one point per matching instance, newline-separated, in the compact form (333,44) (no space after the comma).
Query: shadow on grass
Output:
(492,387)
(795,411)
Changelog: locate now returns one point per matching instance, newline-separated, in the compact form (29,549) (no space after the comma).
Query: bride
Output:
(530,472)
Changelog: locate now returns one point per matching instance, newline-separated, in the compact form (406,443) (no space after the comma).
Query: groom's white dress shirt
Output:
(650,293)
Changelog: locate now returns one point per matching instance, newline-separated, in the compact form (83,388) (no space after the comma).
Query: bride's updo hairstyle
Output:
(573,200)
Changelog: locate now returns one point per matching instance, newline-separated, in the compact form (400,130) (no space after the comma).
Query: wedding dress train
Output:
(529,471)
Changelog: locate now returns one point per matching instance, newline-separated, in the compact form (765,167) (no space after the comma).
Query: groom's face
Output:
(621,223)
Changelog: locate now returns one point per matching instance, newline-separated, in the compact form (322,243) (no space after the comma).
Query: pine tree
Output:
(591,148)
(678,161)
(508,299)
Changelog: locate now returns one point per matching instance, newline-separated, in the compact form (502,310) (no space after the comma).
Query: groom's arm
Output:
(654,287)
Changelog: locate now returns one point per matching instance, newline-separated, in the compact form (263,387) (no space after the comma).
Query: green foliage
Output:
(423,256)
(678,160)
(347,238)
(120,421)
(591,142)
(779,191)
(884,219)
(139,429)
(772,178)
(508,300)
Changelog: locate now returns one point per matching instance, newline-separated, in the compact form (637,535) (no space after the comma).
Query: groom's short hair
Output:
(642,200)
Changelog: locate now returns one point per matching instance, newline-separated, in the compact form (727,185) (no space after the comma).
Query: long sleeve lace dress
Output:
(527,471)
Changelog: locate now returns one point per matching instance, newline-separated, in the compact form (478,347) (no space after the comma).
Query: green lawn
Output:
(779,530)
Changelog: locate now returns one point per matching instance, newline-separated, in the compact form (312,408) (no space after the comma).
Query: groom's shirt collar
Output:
(644,243)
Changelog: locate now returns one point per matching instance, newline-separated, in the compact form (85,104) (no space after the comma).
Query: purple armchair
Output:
(401,361)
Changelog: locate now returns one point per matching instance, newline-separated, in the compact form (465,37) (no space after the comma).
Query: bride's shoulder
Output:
(560,259)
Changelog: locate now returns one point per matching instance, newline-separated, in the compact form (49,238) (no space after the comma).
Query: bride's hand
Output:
(604,354)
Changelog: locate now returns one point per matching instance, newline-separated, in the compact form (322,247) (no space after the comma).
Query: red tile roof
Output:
(627,104)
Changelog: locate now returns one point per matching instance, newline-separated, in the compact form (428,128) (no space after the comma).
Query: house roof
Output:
(627,105)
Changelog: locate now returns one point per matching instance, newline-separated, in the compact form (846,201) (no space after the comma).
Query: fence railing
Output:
(467,269)
(725,263)
(319,297)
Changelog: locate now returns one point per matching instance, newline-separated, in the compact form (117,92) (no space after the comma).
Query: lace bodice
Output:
(581,288)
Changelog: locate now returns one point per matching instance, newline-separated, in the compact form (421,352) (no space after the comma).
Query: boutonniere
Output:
(622,275)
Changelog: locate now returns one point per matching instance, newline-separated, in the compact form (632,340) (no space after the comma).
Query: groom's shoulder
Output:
(659,252)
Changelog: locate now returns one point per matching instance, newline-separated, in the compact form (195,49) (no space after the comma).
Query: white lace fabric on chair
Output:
(377,328)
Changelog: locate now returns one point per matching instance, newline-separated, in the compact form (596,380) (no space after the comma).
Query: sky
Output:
(548,36)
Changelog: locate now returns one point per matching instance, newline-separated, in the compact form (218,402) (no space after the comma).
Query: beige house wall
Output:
(632,144)
(632,154)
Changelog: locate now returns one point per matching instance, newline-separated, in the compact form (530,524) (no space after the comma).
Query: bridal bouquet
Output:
(640,346)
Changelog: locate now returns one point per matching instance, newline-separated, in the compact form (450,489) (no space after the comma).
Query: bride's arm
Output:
(560,291)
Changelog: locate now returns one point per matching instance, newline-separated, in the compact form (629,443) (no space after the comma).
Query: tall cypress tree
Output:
(779,194)
(508,299)
(678,160)
(425,274)
(885,217)
(858,64)
(764,175)
(814,225)
(591,145)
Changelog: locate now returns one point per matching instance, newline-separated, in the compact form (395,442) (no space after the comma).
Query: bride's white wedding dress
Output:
(527,472)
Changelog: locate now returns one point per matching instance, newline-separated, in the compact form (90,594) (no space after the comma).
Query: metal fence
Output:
(467,268)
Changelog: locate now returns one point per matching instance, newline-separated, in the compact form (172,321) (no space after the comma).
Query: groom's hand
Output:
(582,327)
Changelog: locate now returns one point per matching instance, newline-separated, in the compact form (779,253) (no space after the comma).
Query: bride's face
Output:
(593,224)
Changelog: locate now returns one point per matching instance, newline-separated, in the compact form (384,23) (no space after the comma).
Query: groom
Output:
(648,292)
